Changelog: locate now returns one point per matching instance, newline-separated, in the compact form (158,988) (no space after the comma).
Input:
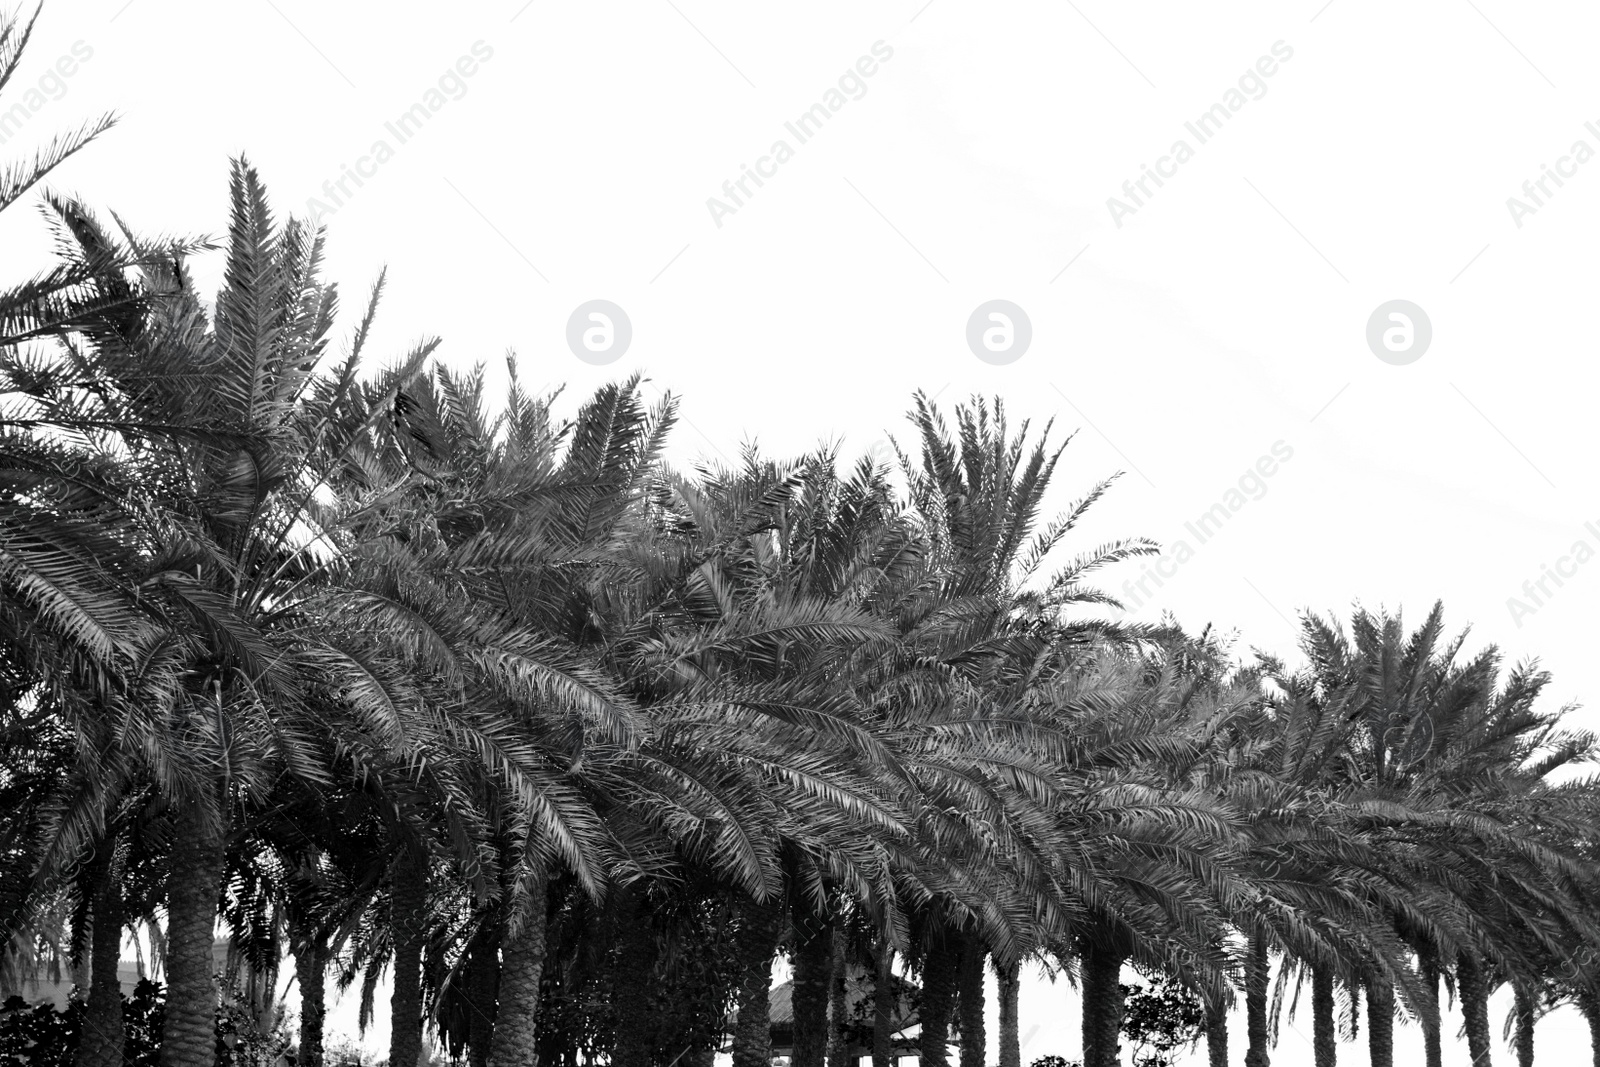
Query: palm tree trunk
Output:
(517,1015)
(1380,1022)
(634,985)
(1103,1003)
(938,999)
(103,1034)
(1009,988)
(1525,1020)
(1432,1023)
(408,902)
(883,1009)
(194,883)
(813,966)
(757,943)
(1257,973)
(970,1002)
(838,1005)
(310,970)
(483,992)
(1217,1035)
(1323,1039)
(1474,1007)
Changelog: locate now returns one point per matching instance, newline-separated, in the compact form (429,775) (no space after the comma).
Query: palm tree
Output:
(303,872)
(213,437)
(103,1035)
(390,675)
(58,299)
(1452,766)
(969,1001)
(743,659)
(1008,988)
(941,958)
(1308,856)
(1524,1014)
(1029,692)
(480,577)
(810,991)
(68,628)
(1160,893)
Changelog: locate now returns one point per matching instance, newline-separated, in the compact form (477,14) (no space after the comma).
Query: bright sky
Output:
(1357,153)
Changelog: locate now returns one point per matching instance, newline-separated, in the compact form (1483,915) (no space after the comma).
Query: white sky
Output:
(1225,315)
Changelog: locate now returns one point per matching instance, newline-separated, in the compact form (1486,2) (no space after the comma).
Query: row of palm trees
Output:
(393,680)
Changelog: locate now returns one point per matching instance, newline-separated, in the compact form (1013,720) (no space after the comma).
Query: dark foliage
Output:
(40,1036)
(1160,1020)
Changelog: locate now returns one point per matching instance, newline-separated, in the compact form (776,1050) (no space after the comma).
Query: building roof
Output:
(860,989)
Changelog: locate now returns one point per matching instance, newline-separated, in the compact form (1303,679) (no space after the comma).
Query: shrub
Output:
(1160,1020)
(40,1036)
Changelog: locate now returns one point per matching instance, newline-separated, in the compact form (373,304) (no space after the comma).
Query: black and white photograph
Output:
(907,533)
